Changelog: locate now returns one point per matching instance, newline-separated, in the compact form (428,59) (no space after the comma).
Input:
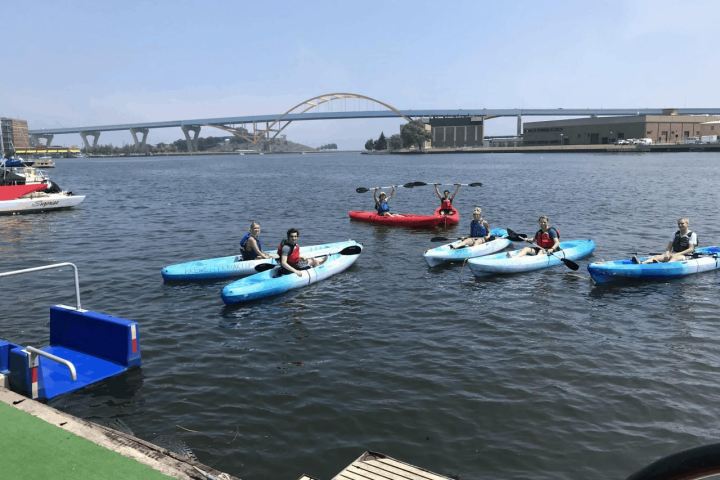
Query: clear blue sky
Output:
(74,63)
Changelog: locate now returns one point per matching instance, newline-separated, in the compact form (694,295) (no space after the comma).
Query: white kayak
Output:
(501,263)
(443,253)
(40,202)
(272,282)
(234,265)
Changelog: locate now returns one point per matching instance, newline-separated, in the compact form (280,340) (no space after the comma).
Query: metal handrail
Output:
(46,267)
(36,351)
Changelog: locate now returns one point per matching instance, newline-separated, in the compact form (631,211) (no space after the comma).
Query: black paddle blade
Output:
(351,250)
(439,239)
(362,190)
(515,237)
(409,185)
(419,184)
(570,264)
(475,184)
(264,267)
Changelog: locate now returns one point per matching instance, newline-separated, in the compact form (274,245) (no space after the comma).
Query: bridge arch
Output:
(274,128)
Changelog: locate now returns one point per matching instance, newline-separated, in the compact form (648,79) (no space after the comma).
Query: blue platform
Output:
(99,346)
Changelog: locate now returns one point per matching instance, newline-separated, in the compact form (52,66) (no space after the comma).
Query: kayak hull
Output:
(443,253)
(270,283)
(234,266)
(618,271)
(407,219)
(500,263)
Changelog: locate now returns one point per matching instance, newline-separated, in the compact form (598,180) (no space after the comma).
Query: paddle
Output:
(350,250)
(521,237)
(474,184)
(446,239)
(406,185)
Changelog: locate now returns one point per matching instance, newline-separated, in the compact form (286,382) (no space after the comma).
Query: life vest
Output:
(477,229)
(681,242)
(382,207)
(544,240)
(249,254)
(446,204)
(293,259)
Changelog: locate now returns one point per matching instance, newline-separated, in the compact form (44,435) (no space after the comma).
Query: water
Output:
(538,376)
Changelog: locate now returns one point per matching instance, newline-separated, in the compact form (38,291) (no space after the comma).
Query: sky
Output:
(81,63)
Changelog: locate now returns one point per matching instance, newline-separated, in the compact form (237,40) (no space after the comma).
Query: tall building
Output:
(14,134)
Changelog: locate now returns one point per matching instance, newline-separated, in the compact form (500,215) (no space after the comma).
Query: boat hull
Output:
(407,219)
(43,203)
(443,253)
(270,283)
(618,271)
(499,263)
(234,266)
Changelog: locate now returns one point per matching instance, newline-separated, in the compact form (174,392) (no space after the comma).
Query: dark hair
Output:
(291,231)
(446,192)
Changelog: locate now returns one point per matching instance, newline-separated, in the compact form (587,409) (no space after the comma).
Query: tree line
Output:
(412,134)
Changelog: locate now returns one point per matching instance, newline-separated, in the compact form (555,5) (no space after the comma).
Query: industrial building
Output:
(667,128)
(13,134)
(456,132)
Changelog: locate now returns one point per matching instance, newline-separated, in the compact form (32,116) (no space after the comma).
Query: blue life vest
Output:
(382,207)
(249,254)
(477,229)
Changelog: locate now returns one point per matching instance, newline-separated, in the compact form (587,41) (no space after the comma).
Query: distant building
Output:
(456,132)
(601,130)
(14,134)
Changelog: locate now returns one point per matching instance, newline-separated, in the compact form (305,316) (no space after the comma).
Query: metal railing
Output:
(34,352)
(47,267)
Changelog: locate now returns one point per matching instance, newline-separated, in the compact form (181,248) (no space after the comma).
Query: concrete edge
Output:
(155,457)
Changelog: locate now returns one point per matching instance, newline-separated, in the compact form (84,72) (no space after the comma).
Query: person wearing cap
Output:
(381,201)
(479,231)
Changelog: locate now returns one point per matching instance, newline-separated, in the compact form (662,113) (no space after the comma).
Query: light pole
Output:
(561,138)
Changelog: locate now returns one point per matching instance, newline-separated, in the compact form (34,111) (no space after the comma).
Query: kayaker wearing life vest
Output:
(546,240)
(682,244)
(381,201)
(479,231)
(250,246)
(289,253)
(446,206)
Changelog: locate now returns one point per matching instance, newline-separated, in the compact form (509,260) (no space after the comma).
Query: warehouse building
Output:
(456,132)
(668,128)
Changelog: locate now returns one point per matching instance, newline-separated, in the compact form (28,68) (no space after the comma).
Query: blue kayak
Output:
(234,265)
(704,260)
(443,253)
(501,263)
(271,282)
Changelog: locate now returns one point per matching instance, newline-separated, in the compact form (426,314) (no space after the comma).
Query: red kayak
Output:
(407,219)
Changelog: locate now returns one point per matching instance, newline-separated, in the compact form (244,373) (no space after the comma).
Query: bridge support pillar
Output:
(519,126)
(35,139)
(85,135)
(140,145)
(192,143)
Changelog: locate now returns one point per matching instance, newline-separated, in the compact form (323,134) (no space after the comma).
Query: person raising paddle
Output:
(682,244)
(546,240)
(289,253)
(479,231)
(446,206)
(250,246)
(381,201)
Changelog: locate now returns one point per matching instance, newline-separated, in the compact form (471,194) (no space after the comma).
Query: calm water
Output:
(538,376)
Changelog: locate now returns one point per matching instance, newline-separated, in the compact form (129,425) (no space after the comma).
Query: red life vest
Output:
(294,257)
(544,240)
(446,204)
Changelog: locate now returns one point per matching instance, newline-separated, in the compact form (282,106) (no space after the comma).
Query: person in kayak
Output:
(289,253)
(479,231)
(546,240)
(381,202)
(446,206)
(682,244)
(250,246)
